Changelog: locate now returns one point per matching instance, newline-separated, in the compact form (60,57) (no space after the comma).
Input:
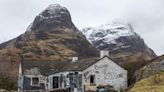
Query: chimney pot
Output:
(74,59)
(104,53)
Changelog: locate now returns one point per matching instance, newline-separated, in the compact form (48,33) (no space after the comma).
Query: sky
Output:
(146,16)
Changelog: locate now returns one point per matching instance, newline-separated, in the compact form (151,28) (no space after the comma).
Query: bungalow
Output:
(77,75)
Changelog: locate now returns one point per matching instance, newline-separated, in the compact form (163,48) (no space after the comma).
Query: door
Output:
(55,82)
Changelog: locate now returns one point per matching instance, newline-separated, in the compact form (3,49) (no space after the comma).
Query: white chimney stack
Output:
(74,59)
(104,53)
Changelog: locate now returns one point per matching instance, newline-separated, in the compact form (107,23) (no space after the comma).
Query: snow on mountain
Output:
(120,40)
(54,10)
(108,33)
(52,16)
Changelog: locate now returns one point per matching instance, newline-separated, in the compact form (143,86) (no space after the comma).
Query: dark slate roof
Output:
(52,67)
(80,65)
(45,67)
(84,64)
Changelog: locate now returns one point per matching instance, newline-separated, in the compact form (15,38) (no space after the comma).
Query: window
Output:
(92,79)
(76,73)
(35,81)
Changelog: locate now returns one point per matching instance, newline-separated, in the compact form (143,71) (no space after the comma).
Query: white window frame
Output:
(32,81)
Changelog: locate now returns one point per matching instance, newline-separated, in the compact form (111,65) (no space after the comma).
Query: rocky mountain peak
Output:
(118,27)
(54,10)
(53,17)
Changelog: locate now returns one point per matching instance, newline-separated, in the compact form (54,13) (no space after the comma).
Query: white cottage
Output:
(75,76)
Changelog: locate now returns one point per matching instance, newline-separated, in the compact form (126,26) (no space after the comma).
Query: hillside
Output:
(154,83)
(150,78)
(156,65)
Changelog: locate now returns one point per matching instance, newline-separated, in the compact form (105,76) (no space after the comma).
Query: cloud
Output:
(146,16)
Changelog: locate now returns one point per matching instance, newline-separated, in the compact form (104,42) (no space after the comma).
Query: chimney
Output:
(74,59)
(104,53)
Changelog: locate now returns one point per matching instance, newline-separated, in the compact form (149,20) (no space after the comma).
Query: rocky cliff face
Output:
(51,36)
(121,40)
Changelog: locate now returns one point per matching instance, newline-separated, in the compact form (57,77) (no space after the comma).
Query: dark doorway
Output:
(55,82)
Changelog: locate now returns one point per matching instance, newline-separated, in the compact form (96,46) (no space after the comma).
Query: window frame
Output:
(35,84)
(94,80)
(58,82)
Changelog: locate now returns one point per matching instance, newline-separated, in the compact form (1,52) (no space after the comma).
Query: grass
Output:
(154,83)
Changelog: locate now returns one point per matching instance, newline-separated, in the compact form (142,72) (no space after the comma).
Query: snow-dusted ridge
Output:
(53,10)
(108,33)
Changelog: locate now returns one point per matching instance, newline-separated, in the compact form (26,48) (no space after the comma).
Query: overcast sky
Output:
(146,16)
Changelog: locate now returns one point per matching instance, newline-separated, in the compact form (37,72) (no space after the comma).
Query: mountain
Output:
(121,40)
(125,45)
(51,36)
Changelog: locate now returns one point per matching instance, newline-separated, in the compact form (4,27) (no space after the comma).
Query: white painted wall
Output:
(107,72)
